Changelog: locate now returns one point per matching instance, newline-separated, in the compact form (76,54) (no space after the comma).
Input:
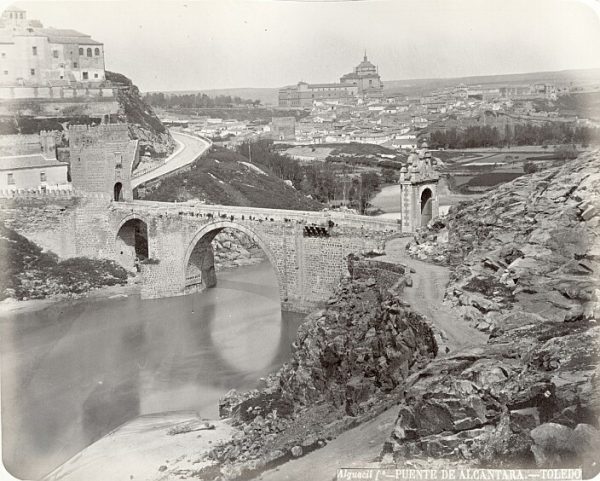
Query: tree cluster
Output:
(159,99)
(516,134)
(321,180)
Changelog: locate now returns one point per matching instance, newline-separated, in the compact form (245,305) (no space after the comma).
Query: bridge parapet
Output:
(340,219)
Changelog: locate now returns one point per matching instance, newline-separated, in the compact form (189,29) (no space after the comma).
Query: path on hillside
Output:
(426,297)
(189,148)
(355,448)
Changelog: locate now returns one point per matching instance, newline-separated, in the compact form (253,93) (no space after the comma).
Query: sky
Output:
(207,44)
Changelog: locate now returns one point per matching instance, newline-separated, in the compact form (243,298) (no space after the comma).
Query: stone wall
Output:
(307,268)
(49,222)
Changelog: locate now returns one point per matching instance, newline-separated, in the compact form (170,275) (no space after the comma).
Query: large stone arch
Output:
(126,246)
(209,231)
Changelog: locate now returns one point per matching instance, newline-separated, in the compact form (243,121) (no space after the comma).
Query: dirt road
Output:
(426,297)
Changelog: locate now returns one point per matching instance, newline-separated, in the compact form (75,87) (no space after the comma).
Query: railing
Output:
(62,191)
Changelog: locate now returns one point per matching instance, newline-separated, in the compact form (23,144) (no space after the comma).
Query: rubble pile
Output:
(525,263)
(347,360)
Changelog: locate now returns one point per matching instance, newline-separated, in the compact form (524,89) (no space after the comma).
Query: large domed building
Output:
(362,82)
(366,77)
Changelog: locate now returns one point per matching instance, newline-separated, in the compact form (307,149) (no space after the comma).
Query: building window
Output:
(42,176)
(75,65)
(32,71)
(34,50)
(95,75)
(6,72)
(3,54)
(118,160)
(89,52)
(97,51)
(10,179)
(85,75)
(80,50)
(55,53)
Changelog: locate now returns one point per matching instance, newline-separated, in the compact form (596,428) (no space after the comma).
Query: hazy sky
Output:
(174,45)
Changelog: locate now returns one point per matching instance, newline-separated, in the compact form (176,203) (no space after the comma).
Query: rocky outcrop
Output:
(525,269)
(144,125)
(534,243)
(234,249)
(349,363)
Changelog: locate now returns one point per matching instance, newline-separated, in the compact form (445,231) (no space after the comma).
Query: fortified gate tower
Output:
(102,158)
(419,191)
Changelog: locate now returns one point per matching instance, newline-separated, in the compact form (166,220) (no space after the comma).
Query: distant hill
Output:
(419,86)
(268,96)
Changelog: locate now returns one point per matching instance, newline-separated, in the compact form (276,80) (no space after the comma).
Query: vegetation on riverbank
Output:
(30,273)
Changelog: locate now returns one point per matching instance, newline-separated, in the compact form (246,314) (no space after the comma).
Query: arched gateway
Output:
(418,191)
(198,263)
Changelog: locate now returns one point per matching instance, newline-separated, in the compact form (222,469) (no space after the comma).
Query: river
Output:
(75,370)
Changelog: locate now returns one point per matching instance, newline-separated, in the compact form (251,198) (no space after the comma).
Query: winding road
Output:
(426,296)
(189,148)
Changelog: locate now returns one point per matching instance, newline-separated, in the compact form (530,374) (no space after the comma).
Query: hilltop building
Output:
(31,55)
(101,160)
(363,82)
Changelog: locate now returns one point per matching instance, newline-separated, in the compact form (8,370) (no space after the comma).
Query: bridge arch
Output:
(131,241)
(202,239)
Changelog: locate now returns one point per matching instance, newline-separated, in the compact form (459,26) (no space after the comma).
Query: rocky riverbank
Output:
(349,364)
(234,249)
(526,264)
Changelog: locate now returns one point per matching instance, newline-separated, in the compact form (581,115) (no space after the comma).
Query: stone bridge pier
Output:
(307,250)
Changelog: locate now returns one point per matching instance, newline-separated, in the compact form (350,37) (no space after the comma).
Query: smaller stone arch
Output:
(208,232)
(426,206)
(132,242)
(118,192)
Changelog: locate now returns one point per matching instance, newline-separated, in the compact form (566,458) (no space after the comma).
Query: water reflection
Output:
(75,371)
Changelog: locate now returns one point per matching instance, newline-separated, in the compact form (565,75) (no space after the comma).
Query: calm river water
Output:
(76,370)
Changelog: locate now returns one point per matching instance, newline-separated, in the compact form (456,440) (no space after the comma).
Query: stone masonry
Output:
(419,195)
(181,257)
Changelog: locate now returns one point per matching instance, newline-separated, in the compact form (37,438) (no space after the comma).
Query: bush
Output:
(529,167)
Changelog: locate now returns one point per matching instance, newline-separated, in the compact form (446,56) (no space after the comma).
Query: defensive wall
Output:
(58,101)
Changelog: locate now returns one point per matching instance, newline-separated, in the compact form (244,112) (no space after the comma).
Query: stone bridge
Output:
(307,250)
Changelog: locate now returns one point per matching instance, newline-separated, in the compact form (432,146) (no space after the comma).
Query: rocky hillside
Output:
(526,265)
(144,125)
(349,363)
(225,177)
